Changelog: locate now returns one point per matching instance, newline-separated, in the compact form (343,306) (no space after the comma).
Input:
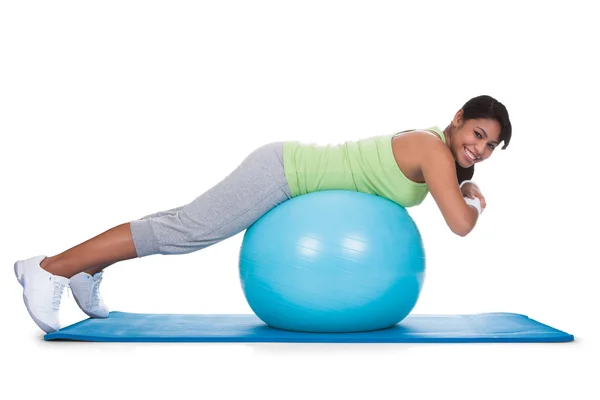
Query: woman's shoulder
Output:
(419,141)
(431,131)
(417,147)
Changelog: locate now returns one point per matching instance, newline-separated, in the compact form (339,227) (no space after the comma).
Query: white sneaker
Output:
(42,292)
(86,290)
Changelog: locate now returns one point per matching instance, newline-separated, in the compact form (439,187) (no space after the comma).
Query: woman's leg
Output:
(253,188)
(99,268)
(257,185)
(116,244)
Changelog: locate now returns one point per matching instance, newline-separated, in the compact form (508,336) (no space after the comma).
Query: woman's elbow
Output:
(465,225)
(461,231)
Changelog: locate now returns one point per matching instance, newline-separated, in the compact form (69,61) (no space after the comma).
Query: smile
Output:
(470,155)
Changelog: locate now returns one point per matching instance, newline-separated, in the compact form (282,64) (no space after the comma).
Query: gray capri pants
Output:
(256,186)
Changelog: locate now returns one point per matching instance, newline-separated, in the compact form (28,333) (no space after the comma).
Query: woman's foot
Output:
(86,290)
(42,292)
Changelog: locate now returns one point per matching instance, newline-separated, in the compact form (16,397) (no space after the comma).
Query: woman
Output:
(403,168)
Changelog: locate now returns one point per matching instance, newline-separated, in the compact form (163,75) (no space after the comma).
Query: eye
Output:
(491,146)
(478,134)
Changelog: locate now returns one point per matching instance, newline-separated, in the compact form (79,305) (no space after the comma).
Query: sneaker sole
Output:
(19,275)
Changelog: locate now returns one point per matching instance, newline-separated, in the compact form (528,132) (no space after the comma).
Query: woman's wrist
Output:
(475,203)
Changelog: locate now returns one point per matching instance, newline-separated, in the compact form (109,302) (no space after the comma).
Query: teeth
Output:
(471,155)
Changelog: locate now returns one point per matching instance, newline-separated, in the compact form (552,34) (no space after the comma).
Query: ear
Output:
(458,118)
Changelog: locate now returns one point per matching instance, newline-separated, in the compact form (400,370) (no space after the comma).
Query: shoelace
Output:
(95,300)
(57,295)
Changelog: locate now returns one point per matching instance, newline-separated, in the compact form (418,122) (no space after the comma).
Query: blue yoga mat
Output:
(130,327)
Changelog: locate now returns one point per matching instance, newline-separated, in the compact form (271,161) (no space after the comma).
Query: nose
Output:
(480,147)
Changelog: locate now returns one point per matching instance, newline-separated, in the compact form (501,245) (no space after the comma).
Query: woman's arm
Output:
(440,173)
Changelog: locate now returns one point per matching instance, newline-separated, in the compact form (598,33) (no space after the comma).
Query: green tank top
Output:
(367,165)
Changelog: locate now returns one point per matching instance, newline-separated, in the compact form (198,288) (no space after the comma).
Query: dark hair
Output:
(485,107)
(464,174)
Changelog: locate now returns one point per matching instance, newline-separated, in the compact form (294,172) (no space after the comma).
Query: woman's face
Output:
(473,140)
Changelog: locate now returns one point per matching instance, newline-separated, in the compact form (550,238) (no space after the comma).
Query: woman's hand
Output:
(471,190)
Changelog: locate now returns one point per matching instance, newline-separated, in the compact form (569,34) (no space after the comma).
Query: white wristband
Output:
(463,182)
(474,203)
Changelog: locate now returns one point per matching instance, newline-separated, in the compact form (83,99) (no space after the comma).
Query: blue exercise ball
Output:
(333,261)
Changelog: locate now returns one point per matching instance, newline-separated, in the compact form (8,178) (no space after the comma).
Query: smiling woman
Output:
(485,123)
(435,161)
(403,168)
(486,109)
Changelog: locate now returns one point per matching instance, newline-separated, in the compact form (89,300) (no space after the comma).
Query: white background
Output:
(113,110)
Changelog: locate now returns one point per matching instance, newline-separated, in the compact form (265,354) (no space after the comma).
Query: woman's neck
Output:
(449,133)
